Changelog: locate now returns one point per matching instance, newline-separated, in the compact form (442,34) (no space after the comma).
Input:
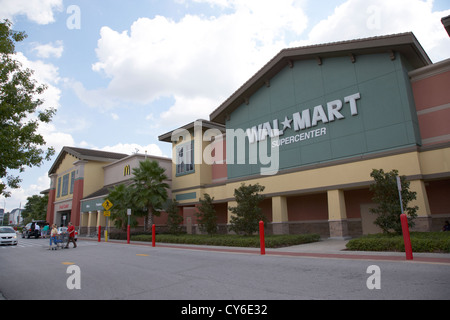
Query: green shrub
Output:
(420,242)
(271,241)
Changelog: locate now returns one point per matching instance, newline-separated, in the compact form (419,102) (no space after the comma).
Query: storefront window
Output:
(72,181)
(185,158)
(65,185)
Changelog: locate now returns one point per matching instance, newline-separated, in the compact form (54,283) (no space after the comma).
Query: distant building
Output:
(15,217)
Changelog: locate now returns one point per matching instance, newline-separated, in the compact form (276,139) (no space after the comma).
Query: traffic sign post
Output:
(107,205)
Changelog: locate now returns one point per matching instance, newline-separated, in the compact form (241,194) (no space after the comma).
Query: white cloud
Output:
(39,11)
(186,110)
(197,59)
(47,73)
(49,50)
(54,137)
(19,196)
(129,148)
(44,73)
(359,19)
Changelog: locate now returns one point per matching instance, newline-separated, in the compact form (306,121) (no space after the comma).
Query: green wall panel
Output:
(385,118)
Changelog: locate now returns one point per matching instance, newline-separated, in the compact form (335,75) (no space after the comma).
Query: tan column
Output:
(280,215)
(337,214)
(84,219)
(423,220)
(229,213)
(101,220)
(91,222)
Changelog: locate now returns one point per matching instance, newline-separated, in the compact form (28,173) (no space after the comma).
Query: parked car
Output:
(8,236)
(30,229)
(62,230)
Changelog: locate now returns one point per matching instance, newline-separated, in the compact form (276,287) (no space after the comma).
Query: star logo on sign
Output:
(286,123)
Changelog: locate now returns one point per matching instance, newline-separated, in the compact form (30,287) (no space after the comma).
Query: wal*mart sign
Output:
(303,120)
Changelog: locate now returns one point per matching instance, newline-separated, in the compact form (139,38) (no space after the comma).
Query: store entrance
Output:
(63,218)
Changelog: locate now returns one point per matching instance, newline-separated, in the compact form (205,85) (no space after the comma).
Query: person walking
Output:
(71,231)
(44,231)
(53,235)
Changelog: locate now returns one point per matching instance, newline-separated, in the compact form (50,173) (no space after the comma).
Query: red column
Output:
(51,206)
(406,237)
(76,202)
(153,235)
(262,242)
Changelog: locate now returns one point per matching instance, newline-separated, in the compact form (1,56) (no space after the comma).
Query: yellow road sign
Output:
(107,213)
(107,204)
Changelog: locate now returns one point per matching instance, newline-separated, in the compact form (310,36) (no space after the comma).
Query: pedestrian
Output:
(37,230)
(53,235)
(44,231)
(71,231)
(446,226)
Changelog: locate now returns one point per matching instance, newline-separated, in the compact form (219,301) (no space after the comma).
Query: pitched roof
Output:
(86,154)
(404,43)
(446,22)
(167,137)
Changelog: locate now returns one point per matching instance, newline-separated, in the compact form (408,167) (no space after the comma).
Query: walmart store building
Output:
(311,125)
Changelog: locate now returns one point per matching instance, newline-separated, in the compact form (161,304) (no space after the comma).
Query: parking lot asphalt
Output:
(325,248)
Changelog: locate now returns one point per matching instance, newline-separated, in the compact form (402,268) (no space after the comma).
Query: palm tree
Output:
(150,190)
(121,196)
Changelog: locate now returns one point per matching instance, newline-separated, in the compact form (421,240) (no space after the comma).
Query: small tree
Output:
(122,198)
(35,208)
(207,217)
(150,190)
(21,114)
(174,220)
(247,214)
(386,196)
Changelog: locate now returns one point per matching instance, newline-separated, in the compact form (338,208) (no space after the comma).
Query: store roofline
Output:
(404,43)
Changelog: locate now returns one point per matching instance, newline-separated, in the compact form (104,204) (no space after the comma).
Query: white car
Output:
(8,236)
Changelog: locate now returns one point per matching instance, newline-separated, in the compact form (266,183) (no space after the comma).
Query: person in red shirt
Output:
(71,231)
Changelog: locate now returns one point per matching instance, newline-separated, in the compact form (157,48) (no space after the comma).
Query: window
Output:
(65,185)
(58,191)
(72,181)
(185,158)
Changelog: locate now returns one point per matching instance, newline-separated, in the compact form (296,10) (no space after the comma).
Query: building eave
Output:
(404,43)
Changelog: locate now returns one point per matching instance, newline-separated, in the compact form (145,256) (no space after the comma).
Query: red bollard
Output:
(262,243)
(406,237)
(99,232)
(128,234)
(153,235)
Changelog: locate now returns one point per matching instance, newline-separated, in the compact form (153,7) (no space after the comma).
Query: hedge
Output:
(438,242)
(271,241)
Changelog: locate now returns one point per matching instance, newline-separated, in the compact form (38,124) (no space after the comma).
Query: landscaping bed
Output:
(436,242)
(271,241)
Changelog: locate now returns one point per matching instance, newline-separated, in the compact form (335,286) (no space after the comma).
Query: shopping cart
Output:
(60,241)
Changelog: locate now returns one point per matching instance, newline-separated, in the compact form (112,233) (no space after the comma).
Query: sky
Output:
(121,73)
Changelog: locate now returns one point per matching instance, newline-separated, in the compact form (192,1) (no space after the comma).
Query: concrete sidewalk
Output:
(331,248)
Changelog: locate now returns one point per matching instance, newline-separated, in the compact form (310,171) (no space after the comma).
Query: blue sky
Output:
(120,73)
